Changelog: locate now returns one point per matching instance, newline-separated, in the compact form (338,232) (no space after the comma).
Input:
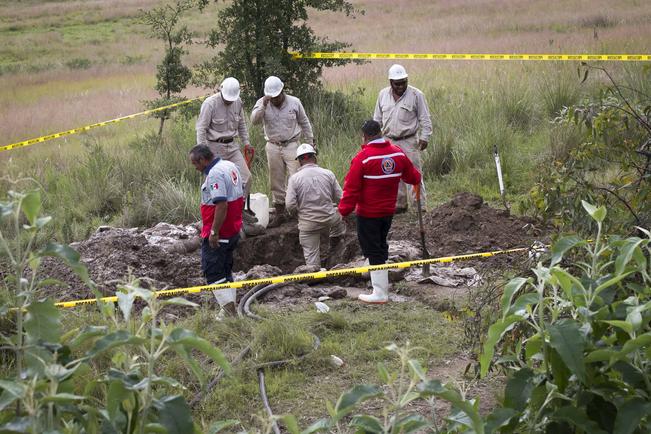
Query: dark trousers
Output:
(217,264)
(372,235)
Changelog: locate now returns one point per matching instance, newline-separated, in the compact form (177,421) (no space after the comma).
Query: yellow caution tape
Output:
(91,126)
(435,56)
(300,277)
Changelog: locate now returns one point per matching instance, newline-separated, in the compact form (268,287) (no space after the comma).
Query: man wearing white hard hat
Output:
(314,193)
(220,121)
(403,113)
(284,121)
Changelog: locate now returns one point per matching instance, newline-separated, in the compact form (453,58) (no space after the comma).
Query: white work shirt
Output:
(218,121)
(405,116)
(314,192)
(285,122)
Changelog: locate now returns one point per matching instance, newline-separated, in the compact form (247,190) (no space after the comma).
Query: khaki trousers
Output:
(406,194)
(231,152)
(310,237)
(282,163)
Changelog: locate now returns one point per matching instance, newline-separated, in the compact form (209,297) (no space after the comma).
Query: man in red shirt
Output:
(370,189)
(222,200)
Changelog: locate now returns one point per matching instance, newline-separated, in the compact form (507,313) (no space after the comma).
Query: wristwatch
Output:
(212,232)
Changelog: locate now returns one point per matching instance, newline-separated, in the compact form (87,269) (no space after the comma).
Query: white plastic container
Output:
(260,207)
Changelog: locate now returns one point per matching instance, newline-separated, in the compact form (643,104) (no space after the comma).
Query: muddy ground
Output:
(463,225)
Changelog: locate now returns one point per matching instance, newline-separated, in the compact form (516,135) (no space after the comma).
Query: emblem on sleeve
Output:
(215,186)
(234,177)
(388,165)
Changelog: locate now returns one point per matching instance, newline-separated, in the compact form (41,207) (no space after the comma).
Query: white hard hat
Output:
(303,149)
(230,89)
(273,86)
(397,72)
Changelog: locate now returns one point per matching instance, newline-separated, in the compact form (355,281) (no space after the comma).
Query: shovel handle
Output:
(417,191)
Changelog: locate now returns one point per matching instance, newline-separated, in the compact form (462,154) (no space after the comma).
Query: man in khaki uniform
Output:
(314,192)
(221,119)
(403,113)
(284,120)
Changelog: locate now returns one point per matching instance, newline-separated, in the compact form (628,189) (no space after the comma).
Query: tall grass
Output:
(141,181)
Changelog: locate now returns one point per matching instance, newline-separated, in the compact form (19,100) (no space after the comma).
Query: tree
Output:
(171,76)
(256,36)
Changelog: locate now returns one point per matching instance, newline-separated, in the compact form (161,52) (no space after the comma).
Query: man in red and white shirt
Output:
(222,200)
(370,189)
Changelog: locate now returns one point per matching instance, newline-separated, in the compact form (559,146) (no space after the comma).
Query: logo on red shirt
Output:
(388,165)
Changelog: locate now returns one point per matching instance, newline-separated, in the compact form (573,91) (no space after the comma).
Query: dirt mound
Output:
(159,254)
(467,225)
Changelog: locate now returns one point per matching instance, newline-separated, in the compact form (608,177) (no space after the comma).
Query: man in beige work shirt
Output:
(220,120)
(314,192)
(403,113)
(284,120)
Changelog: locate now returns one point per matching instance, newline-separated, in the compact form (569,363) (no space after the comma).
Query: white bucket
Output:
(260,207)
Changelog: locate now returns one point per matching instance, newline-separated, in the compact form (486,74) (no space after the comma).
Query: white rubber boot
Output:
(226,300)
(380,282)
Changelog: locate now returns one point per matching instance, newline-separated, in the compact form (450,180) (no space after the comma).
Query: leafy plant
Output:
(172,75)
(611,165)
(581,363)
(51,390)
(255,36)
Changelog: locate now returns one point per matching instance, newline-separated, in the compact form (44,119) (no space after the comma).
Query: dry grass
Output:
(50,35)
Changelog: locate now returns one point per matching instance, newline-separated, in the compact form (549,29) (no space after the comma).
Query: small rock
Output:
(321,307)
(263,271)
(324,298)
(336,361)
(337,293)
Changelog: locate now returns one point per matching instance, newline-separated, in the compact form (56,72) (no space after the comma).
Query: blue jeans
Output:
(217,264)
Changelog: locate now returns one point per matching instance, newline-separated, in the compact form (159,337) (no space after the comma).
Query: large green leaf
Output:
(518,389)
(367,424)
(189,340)
(63,398)
(510,289)
(318,426)
(112,340)
(86,333)
(12,390)
(560,247)
(578,418)
(598,214)
(174,414)
(635,344)
(360,393)
(567,283)
(43,321)
(31,205)
(519,307)
(626,252)
(410,424)
(115,395)
(498,418)
(495,333)
(629,415)
(291,424)
(610,282)
(626,326)
(560,371)
(566,338)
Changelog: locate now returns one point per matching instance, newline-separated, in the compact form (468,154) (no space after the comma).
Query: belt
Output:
(222,140)
(284,142)
(402,137)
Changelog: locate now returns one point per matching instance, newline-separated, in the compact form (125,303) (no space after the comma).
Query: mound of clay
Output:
(467,225)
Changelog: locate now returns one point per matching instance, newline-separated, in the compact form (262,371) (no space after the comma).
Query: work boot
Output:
(280,216)
(249,217)
(335,251)
(380,282)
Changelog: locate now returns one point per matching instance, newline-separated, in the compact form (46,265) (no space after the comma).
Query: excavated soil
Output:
(463,225)
(468,225)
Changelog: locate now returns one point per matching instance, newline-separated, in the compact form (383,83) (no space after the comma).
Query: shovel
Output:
(249,153)
(422,230)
